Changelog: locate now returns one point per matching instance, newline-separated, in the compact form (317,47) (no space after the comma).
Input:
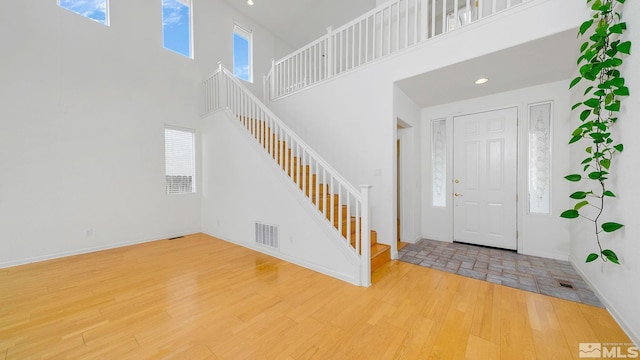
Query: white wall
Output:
(540,234)
(244,185)
(616,285)
(82,113)
(350,120)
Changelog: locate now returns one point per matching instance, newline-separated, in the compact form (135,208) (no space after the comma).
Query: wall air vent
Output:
(267,235)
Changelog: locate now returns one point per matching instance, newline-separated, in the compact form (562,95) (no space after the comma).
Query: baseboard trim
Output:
(88,250)
(305,264)
(608,305)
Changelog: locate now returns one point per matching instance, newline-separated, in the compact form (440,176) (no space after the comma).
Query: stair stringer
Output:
(307,238)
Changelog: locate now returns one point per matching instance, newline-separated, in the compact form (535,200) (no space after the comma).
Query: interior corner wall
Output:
(244,185)
(83,108)
(617,286)
(544,235)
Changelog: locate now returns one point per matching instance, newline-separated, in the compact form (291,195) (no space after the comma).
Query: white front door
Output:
(484,178)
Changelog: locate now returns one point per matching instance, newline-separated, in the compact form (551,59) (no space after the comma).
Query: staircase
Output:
(345,208)
(318,193)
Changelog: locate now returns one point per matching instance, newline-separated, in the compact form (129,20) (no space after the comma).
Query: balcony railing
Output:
(385,30)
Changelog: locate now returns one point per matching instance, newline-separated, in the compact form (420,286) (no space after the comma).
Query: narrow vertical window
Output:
(96,10)
(180,161)
(242,53)
(540,157)
(176,26)
(439,162)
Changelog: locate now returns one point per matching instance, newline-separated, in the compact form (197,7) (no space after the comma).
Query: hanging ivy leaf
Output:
(609,193)
(570,214)
(611,256)
(573,177)
(575,81)
(615,106)
(611,226)
(580,205)
(592,257)
(578,195)
(595,175)
(618,28)
(622,91)
(625,47)
(592,103)
(585,26)
(619,147)
(585,114)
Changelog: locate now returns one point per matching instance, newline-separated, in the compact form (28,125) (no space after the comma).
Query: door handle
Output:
(457,194)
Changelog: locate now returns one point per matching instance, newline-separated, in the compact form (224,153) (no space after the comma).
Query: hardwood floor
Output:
(201,298)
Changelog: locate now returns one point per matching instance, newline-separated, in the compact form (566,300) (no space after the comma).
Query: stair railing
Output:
(384,30)
(340,203)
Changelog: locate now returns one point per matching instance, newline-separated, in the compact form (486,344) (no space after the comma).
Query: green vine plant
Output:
(598,63)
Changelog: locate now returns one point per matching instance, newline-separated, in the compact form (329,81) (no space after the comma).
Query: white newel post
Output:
(329,52)
(365,247)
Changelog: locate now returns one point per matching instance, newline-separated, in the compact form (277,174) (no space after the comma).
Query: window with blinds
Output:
(180,160)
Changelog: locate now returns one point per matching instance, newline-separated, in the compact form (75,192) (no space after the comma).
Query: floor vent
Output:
(267,235)
(565,284)
(175,237)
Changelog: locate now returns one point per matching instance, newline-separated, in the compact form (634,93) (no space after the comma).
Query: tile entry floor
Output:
(531,273)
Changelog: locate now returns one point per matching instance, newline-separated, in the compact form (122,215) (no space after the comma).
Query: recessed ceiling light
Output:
(250,2)
(481,81)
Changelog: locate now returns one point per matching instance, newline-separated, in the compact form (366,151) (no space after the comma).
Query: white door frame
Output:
(406,135)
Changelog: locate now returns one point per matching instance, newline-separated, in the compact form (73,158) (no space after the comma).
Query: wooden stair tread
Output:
(377,249)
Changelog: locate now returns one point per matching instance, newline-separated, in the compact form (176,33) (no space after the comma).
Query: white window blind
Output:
(180,162)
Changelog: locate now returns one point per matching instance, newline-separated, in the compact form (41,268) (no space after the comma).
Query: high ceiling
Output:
(298,22)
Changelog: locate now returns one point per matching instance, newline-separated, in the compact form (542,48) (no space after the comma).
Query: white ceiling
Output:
(534,63)
(299,22)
